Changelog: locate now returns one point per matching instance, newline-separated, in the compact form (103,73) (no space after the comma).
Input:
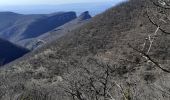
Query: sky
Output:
(50,2)
(50,6)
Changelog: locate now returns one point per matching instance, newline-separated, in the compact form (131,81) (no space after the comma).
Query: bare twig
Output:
(151,40)
(122,91)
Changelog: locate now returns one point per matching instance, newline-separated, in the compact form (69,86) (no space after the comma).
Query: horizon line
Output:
(56,4)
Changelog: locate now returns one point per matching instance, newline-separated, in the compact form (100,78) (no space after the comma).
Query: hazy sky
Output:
(49,2)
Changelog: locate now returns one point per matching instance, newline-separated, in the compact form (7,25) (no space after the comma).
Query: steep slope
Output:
(13,24)
(10,52)
(56,33)
(96,61)
(21,27)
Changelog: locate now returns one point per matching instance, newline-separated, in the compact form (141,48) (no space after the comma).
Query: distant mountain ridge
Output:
(33,30)
(15,27)
(56,33)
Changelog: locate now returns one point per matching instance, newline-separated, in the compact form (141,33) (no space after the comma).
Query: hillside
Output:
(10,52)
(33,43)
(16,27)
(105,59)
(12,17)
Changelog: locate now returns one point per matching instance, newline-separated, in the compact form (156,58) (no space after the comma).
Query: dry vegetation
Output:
(122,54)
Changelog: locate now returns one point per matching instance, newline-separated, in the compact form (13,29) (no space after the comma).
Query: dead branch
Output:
(151,39)
(161,29)
(146,56)
(161,6)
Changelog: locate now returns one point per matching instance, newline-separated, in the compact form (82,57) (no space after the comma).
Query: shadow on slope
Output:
(10,52)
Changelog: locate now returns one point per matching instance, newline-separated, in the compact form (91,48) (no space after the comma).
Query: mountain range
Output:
(18,31)
(33,43)
(121,54)
(16,27)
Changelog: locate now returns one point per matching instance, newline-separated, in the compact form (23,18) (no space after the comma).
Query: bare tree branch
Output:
(161,6)
(161,29)
(151,39)
(149,59)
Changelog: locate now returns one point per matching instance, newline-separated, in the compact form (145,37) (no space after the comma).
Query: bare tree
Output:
(93,84)
(165,5)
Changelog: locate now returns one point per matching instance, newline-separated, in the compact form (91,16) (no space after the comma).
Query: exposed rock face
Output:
(16,27)
(10,52)
(84,16)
